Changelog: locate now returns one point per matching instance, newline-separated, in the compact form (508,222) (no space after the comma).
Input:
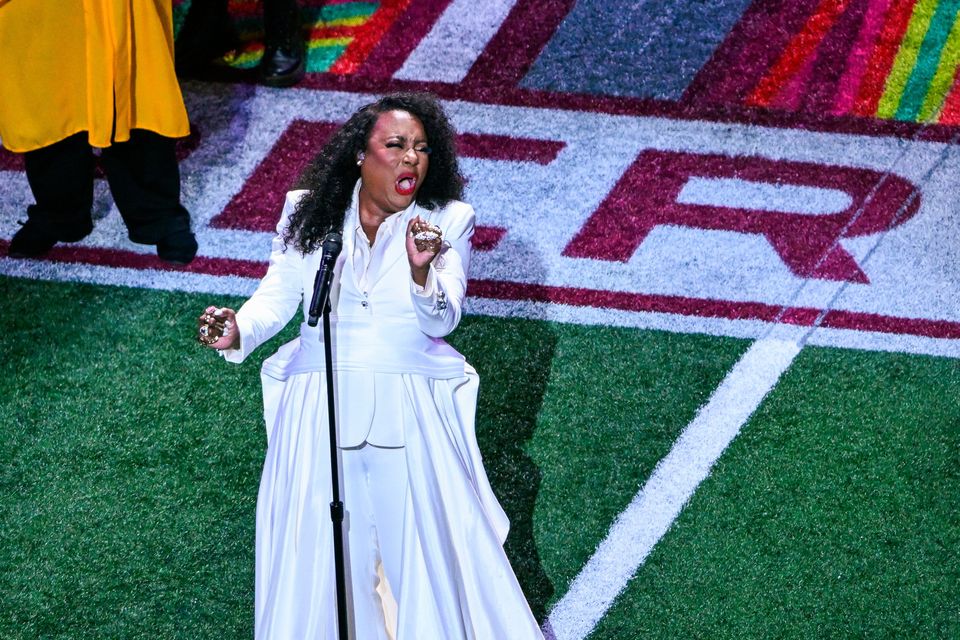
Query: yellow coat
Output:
(70,65)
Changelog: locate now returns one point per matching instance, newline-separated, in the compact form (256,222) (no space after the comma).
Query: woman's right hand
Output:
(217,328)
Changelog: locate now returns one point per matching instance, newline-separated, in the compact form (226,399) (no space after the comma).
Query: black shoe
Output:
(31,241)
(284,65)
(178,248)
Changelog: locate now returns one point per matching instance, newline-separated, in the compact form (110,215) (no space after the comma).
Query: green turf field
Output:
(835,514)
(132,455)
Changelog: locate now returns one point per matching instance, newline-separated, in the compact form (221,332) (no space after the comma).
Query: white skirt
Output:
(456,580)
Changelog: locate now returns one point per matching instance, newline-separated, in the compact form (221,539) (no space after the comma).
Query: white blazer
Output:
(392,327)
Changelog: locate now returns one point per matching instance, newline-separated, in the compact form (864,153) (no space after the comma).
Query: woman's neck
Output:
(371,217)
(370,230)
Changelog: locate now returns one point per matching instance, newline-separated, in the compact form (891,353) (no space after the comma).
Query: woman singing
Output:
(420,511)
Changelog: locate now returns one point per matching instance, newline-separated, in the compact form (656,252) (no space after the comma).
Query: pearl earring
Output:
(360,157)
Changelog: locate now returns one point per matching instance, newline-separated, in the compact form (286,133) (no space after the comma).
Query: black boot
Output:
(39,233)
(31,241)
(145,182)
(178,248)
(284,60)
(61,179)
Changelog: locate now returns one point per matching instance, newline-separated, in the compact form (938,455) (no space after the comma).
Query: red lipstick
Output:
(406,184)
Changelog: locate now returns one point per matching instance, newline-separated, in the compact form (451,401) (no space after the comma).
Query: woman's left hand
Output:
(216,328)
(420,259)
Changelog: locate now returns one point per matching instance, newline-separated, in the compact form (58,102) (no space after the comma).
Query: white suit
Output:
(402,388)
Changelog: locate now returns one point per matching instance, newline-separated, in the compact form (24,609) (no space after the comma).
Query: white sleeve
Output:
(439,304)
(278,296)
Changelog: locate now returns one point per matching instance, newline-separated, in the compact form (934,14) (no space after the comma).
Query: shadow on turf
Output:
(514,359)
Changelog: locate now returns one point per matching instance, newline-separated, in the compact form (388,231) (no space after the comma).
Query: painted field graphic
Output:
(788,237)
(714,299)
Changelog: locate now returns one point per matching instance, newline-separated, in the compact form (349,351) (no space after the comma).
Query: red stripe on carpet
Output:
(801,47)
(706,308)
(368,37)
(791,94)
(119,258)
(402,38)
(800,316)
(856,67)
(751,47)
(491,147)
(831,58)
(894,28)
(624,301)
(860,321)
(522,36)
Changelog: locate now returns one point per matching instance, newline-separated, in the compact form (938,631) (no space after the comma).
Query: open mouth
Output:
(406,184)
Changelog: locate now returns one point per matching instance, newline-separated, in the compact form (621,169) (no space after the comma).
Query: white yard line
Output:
(455,42)
(653,510)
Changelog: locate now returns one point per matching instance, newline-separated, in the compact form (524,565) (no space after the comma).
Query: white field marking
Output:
(763,196)
(653,510)
(216,286)
(723,327)
(570,314)
(541,215)
(455,41)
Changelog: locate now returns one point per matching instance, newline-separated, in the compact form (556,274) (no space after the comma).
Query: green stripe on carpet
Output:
(345,11)
(928,58)
(321,58)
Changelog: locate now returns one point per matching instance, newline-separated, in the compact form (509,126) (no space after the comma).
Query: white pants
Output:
(374,496)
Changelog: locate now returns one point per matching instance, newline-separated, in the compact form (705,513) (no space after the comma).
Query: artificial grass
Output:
(616,402)
(131,458)
(834,514)
(132,455)
(572,420)
(130,464)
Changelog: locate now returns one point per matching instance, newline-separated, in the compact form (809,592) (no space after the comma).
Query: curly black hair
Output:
(334,171)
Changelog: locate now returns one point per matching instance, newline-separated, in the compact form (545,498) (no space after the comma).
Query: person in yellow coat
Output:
(94,73)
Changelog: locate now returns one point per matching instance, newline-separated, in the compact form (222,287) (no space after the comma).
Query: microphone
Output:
(332,244)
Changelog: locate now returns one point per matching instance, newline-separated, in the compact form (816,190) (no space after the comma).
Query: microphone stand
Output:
(336,505)
(321,296)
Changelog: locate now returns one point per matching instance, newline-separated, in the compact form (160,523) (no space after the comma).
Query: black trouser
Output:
(281,21)
(144,179)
